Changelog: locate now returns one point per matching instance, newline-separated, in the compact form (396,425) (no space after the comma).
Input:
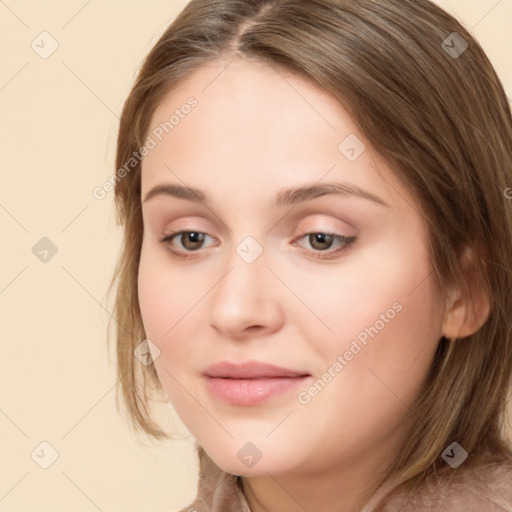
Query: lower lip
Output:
(251,391)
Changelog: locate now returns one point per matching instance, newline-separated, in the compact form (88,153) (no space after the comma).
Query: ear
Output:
(466,314)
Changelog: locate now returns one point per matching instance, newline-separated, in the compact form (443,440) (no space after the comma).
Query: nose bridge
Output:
(246,268)
(243,296)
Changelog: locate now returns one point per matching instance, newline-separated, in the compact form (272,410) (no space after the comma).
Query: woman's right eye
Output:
(190,241)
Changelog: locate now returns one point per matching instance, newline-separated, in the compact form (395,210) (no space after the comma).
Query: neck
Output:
(347,488)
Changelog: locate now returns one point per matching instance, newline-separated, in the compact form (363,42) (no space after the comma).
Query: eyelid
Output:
(173,235)
(318,224)
(327,213)
(346,241)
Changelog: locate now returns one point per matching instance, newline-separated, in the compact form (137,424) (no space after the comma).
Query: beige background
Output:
(59,119)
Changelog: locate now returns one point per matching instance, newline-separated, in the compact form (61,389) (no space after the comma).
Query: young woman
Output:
(317,262)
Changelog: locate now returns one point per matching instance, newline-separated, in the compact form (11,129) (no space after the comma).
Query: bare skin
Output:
(254,133)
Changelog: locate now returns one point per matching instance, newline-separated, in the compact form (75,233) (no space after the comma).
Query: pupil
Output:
(194,237)
(322,238)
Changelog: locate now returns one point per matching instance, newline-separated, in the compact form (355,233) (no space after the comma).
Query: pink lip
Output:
(250,383)
(250,370)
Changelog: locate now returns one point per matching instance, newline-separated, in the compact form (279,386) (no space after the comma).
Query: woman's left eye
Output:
(191,241)
(320,239)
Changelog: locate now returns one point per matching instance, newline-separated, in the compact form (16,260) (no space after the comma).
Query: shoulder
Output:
(485,487)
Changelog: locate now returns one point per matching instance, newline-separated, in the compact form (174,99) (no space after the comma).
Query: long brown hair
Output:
(435,110)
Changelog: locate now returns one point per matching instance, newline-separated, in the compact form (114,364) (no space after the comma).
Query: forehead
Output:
(249,87)
(255,124)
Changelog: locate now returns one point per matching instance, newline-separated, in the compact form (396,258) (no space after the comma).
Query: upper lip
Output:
(250,370)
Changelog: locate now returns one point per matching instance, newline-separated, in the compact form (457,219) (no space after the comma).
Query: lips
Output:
(250,370)
(250,383)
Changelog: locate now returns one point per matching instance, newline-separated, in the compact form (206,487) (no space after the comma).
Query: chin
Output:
(249,460)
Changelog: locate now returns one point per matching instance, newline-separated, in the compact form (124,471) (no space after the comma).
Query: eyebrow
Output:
(288,197)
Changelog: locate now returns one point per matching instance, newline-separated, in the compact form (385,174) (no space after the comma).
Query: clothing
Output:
(486,489)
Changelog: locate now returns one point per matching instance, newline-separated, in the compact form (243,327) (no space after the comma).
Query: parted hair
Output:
(436,111)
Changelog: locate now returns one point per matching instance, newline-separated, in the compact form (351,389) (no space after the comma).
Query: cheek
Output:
(152,298)
(171,299)
(162,295)
(387,327)
(384,318)
(392,277)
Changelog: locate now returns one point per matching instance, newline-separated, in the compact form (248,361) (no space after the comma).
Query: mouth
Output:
(250,370)
(250,383)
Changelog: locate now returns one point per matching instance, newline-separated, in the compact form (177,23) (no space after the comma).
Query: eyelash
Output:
(347,241)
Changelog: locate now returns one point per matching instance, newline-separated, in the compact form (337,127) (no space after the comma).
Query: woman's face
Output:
(262,279)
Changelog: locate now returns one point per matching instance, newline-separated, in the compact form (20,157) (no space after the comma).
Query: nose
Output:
(245,301)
